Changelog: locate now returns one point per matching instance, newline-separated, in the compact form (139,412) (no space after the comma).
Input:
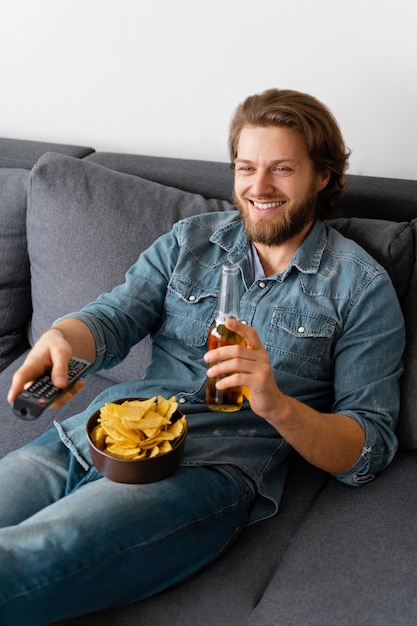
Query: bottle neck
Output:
(228,302)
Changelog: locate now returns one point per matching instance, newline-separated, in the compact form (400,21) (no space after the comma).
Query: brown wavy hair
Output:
(314,121)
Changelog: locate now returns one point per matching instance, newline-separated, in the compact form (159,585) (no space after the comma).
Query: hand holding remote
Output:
(46,369)
(31,402)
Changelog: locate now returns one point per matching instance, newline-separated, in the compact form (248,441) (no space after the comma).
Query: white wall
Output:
(163,77)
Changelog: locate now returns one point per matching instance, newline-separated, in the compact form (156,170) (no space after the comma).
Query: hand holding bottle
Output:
(246,366)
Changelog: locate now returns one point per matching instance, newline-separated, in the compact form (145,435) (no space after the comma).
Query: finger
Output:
(245,362)
(225,353)
(249,333)
(59,375)
(67,395)
(60,356)
(34,367)
(25,375)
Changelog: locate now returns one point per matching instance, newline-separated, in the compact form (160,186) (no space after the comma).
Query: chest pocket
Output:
(189,312)
(299,342)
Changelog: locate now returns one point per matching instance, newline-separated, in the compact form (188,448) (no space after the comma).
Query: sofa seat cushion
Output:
(353,560)
(87,225)
(15,300)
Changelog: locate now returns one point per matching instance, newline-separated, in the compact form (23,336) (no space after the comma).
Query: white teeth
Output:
(269,205)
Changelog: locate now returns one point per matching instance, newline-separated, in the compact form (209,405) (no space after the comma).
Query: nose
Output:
(262,183)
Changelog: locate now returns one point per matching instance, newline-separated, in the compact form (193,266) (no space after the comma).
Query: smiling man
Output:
(326,337)
(276,189)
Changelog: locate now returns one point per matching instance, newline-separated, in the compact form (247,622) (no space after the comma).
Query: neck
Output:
(275,259)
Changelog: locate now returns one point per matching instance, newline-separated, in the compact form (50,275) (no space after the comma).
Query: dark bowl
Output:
(139,470)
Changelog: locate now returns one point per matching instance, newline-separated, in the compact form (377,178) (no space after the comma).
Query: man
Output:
(324,336)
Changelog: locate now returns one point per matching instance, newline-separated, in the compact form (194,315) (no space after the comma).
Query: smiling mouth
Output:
(267,205)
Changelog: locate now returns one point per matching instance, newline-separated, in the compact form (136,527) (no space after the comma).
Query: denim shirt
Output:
(331,324)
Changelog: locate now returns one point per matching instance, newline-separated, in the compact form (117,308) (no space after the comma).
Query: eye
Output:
(282,169)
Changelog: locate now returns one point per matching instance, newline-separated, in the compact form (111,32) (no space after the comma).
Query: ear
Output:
(322,179)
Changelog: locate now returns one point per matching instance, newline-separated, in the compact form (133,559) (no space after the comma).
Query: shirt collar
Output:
(308,257)
(232,237)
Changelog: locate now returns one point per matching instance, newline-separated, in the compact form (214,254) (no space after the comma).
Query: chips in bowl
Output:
(137,431)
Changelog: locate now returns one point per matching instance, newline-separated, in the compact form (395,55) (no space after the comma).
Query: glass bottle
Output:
(231,399)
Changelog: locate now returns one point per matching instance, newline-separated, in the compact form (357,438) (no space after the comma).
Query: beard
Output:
(290,224)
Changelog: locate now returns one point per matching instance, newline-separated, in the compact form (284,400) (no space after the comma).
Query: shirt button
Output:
(182,401)
(301,329)
(261,284)
(191,298)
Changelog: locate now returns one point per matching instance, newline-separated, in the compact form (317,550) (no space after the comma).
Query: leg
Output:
(33,477)
(108,544)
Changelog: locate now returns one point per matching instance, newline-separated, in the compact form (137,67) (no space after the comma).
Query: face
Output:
(276,185)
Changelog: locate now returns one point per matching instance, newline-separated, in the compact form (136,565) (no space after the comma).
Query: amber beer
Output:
(225,400)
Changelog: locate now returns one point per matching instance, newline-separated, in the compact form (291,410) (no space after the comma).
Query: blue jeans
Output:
(73,542)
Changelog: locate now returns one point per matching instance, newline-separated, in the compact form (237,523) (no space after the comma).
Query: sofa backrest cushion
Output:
(15,301)
(211,179)
(22,153)
(87,225)
(389,243)
(380,198)
(407,428)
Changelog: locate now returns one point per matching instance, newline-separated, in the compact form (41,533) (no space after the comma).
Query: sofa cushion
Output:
(87,225)
(407,428)
(353,560)
(15,301)
(389,243)
(211,179)
(379,198)
(21,153)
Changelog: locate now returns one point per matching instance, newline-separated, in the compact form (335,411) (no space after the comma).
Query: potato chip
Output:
(137,429)
(98,436)
(166,407)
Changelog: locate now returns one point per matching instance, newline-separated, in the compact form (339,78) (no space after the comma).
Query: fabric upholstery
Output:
(15,302)
(21,153)
(353,562)
(211,179)
(389,243)
(379,198)
(407,428)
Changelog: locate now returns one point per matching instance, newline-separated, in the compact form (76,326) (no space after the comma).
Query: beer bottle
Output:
(231,399)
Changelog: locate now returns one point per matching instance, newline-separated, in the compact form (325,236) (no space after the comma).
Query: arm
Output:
(330,441)
(117,324)
(69,337)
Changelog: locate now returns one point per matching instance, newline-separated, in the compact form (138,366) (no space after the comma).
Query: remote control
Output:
(31,402)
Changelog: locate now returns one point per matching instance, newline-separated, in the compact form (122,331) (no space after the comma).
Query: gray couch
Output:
(71,222)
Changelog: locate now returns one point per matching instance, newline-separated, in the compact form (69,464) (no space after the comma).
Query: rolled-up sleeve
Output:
(368,367)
